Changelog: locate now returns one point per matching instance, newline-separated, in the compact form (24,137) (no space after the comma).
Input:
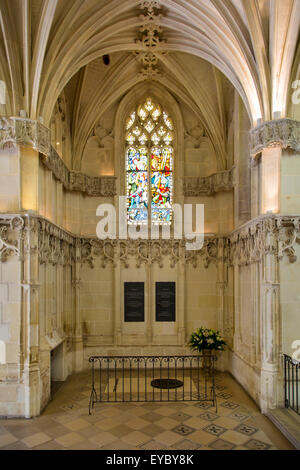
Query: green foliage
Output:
(205,338)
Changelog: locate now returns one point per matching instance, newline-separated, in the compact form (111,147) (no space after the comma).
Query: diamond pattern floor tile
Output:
(66,424)
(244,428)
(201,438)
(103,438)
(196,422)
(186,444)
(204,405)
(214,429)
(238,416)
(209,416)
(135,438)
(36,439)
(235,437)
(120,430)
(183,430)
(69,439)
(230,405)
(254,444)
(166,423)
(6,439)
(152,430)
(152,445)
(220,444)
(152,417)
(168,438)
(77,425)
(179,416)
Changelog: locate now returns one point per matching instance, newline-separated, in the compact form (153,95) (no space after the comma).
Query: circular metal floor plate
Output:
(166,383)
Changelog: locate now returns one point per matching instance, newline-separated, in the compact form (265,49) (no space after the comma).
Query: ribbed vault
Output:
(46,43)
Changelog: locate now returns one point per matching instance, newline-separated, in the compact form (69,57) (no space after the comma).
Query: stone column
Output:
(237,309)
(149,293)
(180,307)
(117,303)
(222,285)
(255,343)
(270,185)
(12,331)
(29,179)
(30,314)
(77,337)
(270,369)
(255,168)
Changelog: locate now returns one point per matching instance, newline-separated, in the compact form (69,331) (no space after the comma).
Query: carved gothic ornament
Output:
(55,246)
(29,133)
(266,235)
(278,133)
(10,235)
(151,41)
(26,234)
(146,252)
(207,185)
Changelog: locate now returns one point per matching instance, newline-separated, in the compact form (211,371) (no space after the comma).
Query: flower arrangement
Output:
(205,338)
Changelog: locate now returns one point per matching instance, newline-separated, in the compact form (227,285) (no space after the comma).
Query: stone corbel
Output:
(288,235)
(14,223)
(283,133)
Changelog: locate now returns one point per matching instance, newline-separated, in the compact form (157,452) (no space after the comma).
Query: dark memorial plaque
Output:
(165,301)
(134,301)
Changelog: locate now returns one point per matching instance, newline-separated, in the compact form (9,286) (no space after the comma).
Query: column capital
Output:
(284,133)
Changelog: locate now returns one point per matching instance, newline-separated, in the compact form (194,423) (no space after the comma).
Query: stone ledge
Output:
(288,422)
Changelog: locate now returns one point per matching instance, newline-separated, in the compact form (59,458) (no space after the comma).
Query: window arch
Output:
(149,164)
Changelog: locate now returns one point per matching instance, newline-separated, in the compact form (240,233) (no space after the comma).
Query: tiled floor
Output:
(66,424)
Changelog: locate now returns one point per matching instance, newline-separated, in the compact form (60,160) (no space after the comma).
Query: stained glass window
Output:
(149,164)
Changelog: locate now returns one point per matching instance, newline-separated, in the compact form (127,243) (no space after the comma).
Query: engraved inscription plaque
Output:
(165,301)
(134,301)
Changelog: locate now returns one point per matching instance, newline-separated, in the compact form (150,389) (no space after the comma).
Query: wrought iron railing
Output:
(291,383)
(152,379)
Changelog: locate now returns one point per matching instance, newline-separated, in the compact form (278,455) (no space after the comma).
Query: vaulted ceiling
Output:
(51,46)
